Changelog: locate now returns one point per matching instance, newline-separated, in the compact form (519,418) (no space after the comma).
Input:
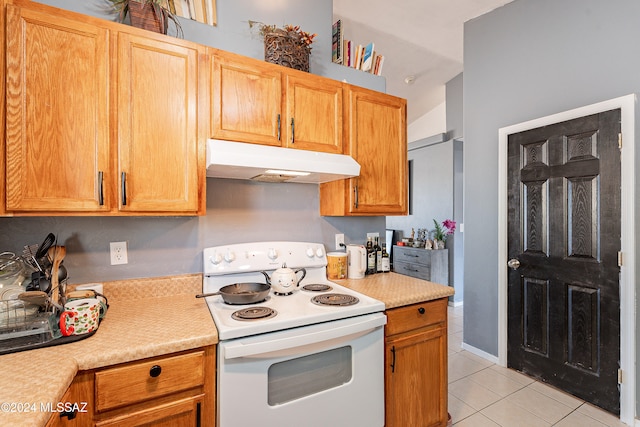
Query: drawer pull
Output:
(411,255)
(155,371)
(410,269)
(71,415)
(421,310)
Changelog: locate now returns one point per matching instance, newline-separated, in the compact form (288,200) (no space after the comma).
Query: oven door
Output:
(329,374)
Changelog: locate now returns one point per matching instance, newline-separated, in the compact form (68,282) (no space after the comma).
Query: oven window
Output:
(304,376)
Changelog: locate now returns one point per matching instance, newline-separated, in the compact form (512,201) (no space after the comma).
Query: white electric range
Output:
(305,357)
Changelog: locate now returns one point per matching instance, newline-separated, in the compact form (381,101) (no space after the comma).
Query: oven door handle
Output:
(294,345)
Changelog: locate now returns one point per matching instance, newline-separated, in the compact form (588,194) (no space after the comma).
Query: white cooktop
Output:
(241,263)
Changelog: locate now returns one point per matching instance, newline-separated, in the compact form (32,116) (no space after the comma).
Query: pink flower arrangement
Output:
(441,233)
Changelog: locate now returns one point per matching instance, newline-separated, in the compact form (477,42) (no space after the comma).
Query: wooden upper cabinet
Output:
(101,118)
(161,167)
(377,139)
(57,114)
(262,103)
(314,113)
(246,101)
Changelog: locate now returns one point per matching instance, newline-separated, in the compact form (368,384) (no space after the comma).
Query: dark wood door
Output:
(564,230)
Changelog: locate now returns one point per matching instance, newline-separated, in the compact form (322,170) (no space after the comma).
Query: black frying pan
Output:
(241,293)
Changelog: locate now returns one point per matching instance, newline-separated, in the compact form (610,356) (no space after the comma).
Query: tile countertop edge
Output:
(162,323)
(397,290)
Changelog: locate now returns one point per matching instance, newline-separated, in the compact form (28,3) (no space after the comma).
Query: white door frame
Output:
(627,104)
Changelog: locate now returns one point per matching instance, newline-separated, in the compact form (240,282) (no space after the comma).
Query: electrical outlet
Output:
(339,241)
(119,253)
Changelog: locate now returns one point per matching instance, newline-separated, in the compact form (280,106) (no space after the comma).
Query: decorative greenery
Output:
(160,9)
(447,228)
(292,30)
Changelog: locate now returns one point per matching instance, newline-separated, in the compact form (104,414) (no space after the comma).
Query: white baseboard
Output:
(455,303)
(490,357)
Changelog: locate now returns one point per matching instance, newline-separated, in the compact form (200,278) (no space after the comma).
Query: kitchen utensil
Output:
(241,293)
(284,280)
(56,254)
(38,298)
(80,316)
(39,282)
(336,265)
(45,245)
(357,261)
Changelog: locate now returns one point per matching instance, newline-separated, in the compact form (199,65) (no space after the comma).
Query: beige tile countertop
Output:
(397,290)
(146,318)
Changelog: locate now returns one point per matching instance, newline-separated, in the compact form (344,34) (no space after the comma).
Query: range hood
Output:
(239,160)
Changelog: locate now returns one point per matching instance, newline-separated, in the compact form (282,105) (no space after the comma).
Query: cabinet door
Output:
(180,413)
(416,379)
(57,122)
(314,113)
(377,138)
(247,101)
(378,141)
(158,139)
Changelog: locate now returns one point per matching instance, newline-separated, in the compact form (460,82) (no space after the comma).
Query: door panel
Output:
(564,228)
(57,124)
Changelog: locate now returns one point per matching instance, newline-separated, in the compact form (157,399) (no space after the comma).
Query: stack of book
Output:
(199,10)
(349,54)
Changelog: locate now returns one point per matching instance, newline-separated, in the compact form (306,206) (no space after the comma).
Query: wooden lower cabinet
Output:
(416,365)
(171,390)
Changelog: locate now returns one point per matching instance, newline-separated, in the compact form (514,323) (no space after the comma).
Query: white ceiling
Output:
(421,38)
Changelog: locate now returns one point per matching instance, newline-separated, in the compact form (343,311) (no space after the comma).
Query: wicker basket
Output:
(285,49)
(144,15)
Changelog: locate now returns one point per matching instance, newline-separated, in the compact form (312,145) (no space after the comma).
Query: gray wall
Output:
(237,211)
(233,34)
(525,60)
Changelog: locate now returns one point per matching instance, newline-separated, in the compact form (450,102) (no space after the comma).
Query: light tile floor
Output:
(482,393)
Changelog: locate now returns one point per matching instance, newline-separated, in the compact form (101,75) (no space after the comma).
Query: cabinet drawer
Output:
(416,316)
(413,270)
(141,381)
(414,256)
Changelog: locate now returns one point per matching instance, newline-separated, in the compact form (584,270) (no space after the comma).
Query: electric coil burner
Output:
(335,300)
(317,287)
(254,313)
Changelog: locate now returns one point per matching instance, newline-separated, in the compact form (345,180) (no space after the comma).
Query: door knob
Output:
(513,263)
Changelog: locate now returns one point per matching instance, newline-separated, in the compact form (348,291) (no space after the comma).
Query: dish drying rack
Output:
(23,326)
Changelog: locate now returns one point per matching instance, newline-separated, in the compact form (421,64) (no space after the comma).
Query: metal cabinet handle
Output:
(410,255)
(393,360)
(410,269)
(123,185)
(100,189)
(293,132)
(155,371)
(355,190)
(279,127)
(513,263)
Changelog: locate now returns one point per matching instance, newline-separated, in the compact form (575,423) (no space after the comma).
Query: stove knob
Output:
(319,253)
(229,256)
(216,258)
(272,253)
(310,252)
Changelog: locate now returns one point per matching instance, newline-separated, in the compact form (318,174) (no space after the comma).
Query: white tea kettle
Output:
(284,280)
(357,261)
